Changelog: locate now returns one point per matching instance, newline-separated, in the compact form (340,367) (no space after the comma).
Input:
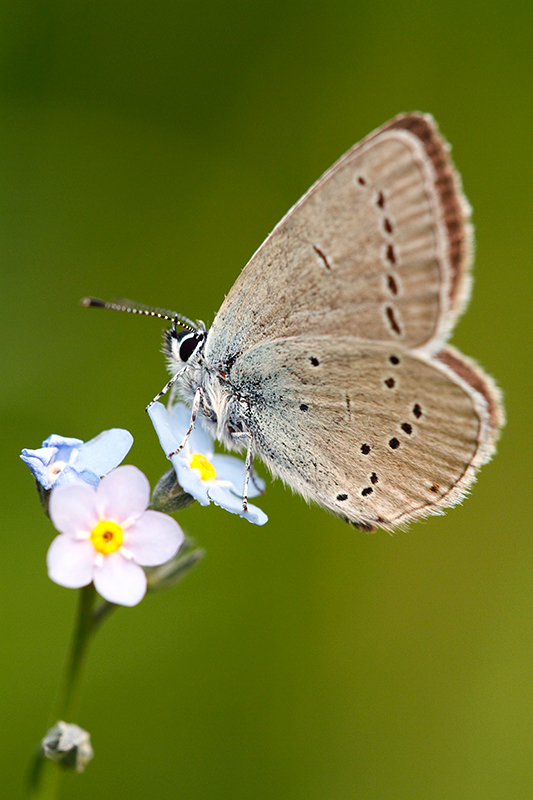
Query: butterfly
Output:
(328,357)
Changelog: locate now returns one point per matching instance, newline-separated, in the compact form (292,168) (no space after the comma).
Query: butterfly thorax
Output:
(221,411)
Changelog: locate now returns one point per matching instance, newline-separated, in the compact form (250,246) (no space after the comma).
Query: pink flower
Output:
(107,536)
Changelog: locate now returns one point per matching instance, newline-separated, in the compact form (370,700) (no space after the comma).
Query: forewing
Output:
(371,431)
(378,248)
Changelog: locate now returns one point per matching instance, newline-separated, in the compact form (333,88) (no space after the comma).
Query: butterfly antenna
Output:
(138,308)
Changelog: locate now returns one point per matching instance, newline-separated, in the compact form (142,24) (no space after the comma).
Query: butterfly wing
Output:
(332,338)
(379,249)
(375,433)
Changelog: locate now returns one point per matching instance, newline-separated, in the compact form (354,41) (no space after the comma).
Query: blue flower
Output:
(204,474)
(63,460)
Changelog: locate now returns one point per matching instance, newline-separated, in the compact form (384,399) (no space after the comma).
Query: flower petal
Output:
(223,498)
(199,440)
(123,494)
(161,422)
(189,480)
(180,419)
(44,455)
(172,426)
(73,508)
(55,440)
(38,461)
(120,580)
(230,468)
(71,474)
(105,451)
(254,514)
(70,561)
(154,539)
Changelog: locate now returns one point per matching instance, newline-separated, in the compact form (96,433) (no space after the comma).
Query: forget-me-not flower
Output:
(202,473)
(62,460)
(107,535)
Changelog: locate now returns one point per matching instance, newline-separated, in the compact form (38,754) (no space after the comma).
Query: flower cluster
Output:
(108,533)
(114,537)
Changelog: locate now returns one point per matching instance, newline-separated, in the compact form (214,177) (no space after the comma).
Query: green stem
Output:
(76,659)
(43,780)
(101,612)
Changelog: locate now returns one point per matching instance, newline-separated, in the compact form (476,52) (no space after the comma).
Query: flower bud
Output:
(168,574)
(68,745)
(168,496)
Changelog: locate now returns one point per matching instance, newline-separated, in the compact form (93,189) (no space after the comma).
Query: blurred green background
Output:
(146,150)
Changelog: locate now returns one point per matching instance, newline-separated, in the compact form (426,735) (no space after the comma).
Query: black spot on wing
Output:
(393,322)
(392,284)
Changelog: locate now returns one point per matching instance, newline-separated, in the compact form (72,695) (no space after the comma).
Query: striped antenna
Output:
(138,308)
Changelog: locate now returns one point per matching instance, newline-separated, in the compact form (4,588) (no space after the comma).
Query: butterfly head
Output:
(183,347)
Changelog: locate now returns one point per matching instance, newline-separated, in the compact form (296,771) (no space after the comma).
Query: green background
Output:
(146,151)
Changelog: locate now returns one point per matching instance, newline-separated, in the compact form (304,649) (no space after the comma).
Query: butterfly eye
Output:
(188,345)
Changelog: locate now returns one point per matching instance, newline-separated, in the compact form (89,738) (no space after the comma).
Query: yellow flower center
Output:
(107,537)
(203,467)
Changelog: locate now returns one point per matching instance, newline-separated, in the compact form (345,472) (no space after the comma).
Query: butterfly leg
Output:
(248,466)
(194,411)
(167,386)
